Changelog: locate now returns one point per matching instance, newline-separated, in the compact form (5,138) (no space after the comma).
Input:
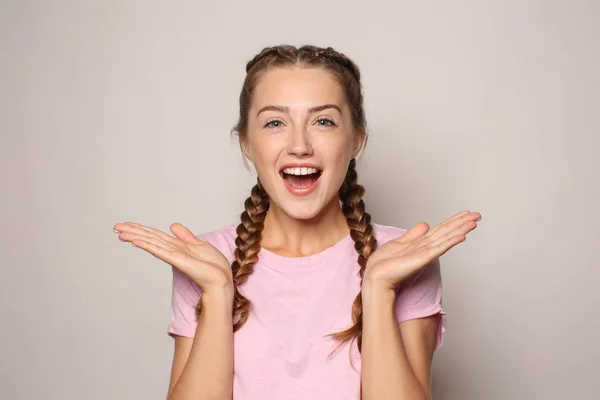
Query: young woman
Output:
(305,298)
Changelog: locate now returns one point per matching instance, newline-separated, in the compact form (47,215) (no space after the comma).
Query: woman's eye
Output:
(273,124)
(325,122)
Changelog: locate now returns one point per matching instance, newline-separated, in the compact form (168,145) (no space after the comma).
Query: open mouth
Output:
(301,177)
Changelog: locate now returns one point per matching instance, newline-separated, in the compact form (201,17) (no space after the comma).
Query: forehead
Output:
(297,86)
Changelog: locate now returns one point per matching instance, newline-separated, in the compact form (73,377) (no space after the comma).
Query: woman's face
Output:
(300,138)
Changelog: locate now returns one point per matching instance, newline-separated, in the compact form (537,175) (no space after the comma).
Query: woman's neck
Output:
(292,237)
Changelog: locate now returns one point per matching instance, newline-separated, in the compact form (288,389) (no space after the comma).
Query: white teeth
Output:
(300,171)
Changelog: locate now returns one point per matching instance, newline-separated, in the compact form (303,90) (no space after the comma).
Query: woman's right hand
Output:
(198,260)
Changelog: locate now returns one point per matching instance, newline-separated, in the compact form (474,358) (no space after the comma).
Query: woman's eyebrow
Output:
(286,109)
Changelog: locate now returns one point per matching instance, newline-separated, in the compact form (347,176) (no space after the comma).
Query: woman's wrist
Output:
(375,294)
(219,298)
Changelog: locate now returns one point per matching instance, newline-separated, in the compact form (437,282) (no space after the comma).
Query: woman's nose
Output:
(299,143)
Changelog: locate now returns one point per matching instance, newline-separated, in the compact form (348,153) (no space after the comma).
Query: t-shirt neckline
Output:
(278,261)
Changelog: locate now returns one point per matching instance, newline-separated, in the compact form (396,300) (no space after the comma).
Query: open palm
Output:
(399,258)
(198,260)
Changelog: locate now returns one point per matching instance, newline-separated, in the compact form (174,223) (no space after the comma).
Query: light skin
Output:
(301,116)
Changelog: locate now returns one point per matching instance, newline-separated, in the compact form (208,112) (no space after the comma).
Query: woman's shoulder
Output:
(385,233)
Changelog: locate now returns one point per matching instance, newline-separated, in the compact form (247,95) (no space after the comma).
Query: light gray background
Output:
(121,110)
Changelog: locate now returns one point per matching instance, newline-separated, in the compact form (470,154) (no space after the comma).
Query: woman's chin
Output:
(301,212)
(306,210)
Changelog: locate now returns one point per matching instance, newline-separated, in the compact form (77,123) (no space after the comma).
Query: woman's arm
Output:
(205,370)
(395,360)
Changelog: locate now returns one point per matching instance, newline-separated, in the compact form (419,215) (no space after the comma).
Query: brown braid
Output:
(361,231)
(246,253)
(248,245)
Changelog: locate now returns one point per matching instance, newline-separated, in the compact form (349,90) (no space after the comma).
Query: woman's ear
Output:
(246,150)
(360,140)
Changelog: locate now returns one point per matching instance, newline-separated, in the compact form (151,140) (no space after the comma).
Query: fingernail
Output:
(478,219)
(116,231)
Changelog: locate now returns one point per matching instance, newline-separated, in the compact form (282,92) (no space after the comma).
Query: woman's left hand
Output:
(399,258)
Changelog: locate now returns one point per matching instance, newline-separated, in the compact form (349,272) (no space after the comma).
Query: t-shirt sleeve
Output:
(421,296)
(185,297)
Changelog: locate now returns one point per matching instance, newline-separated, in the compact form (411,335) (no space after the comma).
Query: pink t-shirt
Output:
(282,351)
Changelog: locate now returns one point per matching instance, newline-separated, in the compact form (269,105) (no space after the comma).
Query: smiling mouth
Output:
(301,178)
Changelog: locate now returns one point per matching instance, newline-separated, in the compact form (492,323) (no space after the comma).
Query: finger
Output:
(463,229)
(130,237)
(451,220)
(128,231)
(418,230)
(432,231)
(452,223)
(443,246)
(183,233)
(423,228)
(457,216)
(145,230)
